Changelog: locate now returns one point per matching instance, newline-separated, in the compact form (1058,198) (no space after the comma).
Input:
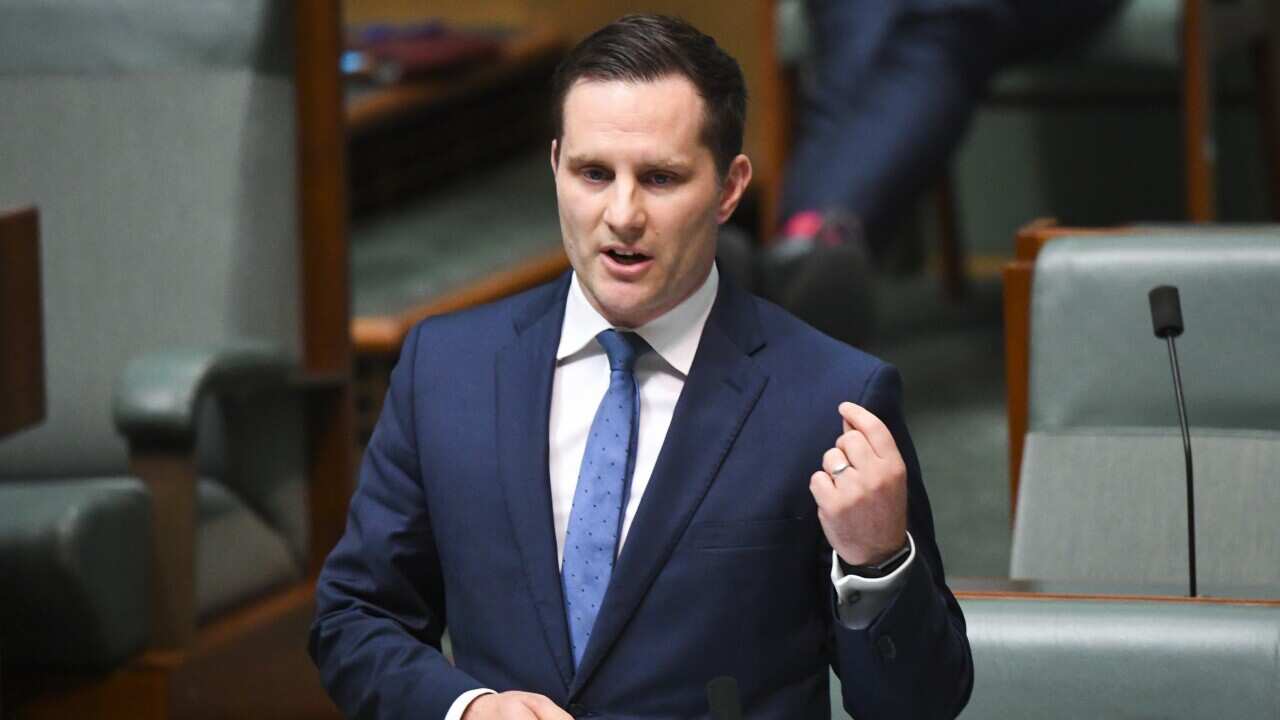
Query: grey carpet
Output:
(951,356)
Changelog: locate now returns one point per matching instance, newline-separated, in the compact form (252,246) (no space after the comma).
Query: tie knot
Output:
(622,348)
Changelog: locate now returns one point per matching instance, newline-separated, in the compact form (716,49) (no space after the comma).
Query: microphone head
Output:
(723,699)
(1166,311)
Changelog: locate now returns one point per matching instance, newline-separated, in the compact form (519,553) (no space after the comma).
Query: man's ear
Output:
(555,156)
(735,183)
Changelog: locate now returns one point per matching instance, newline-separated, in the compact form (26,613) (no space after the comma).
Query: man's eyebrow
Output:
(580,159)
(678,163)
(675,162)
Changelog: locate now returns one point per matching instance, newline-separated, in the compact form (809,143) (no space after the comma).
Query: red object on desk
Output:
(390,54)
(22,395)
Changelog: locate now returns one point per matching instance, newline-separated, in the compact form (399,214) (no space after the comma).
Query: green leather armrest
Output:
(158,395)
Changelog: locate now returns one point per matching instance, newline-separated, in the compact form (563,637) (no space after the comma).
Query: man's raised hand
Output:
(514,706)
(861,490)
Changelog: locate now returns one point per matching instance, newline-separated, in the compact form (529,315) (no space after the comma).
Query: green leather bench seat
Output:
(1110,504)
(76,584)
(1102,492)
(68,36)
(72,589)
(167,212)
(1094,359)
(1073,659)
(158,141)
(238,555)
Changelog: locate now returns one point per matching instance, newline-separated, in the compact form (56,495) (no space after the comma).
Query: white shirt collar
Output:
(674,335)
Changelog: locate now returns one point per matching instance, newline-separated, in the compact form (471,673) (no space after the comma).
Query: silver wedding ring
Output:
(841,469)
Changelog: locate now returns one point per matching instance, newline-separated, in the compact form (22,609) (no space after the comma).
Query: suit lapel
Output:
(720,392)
(525,370)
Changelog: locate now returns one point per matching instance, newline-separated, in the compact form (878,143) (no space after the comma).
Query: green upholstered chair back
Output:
(1102,492)
(1051,659)
(157,139)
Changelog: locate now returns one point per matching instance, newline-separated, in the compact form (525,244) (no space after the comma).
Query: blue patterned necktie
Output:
(591,541)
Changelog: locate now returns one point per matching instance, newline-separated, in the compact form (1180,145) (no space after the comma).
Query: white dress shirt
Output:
(581,381)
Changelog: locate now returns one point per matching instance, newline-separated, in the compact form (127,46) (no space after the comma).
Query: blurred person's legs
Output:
(891,92)
(889,97)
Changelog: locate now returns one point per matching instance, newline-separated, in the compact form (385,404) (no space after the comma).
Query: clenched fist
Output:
(861,490)
(514,706)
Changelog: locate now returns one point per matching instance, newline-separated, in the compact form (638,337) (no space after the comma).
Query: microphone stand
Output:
(1166,322)
(1186,451)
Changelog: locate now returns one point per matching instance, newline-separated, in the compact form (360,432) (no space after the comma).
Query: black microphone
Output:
(723,699)
(1166,320)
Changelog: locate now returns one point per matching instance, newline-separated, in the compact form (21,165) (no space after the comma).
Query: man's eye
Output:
(595,175)
(661,179)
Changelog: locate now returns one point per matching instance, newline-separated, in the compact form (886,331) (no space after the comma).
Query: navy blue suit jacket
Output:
(725,570)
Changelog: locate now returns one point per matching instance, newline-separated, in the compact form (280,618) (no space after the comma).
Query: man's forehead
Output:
(670,97)
(672,82)
(600,113)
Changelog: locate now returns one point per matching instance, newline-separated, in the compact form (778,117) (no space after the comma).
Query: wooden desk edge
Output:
(383,334)
(982,588)
(22,369)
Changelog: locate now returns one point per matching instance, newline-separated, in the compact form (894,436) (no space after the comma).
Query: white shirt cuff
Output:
(860,600)
(460,705)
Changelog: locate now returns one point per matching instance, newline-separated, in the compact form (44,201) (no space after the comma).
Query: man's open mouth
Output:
(626,257)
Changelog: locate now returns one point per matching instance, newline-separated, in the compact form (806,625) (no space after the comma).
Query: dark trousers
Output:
(893,85)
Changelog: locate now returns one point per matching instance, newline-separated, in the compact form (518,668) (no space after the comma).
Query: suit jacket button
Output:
(888,650)
(578,711)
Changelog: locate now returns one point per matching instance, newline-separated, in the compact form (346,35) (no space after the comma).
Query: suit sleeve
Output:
(914,660)
(380,598)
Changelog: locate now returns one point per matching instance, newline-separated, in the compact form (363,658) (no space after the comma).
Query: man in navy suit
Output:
(758,513)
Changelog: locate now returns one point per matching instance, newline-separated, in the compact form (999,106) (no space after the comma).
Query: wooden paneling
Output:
(170,477)
(22,391)
(250,664)
(1267,74)
(1017,328)
(254,664)
(465,12)
(1016,594)
(322,202)
(121,695)
(1199,143)
(772,88)
(951,252)
(325,293)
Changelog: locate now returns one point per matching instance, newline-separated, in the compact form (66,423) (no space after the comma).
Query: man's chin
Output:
(627,309)
(626,316)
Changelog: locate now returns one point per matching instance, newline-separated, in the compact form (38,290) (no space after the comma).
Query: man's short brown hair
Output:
(645,48)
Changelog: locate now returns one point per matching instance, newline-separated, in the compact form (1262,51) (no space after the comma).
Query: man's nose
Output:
(624,213)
